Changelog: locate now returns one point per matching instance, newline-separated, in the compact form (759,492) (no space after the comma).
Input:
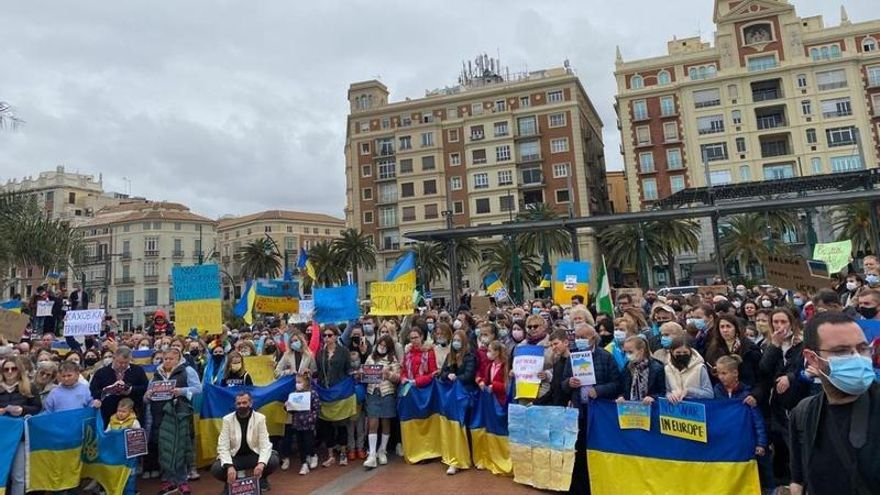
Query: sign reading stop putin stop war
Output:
(196,298)
(683,420)
(391,298)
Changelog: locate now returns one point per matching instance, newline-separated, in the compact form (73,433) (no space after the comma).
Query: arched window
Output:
(826,53)
(692,72)
(814,53)
(636,82)
(663,78)
(702,72)
(711,70)
(835,51)
(869,44)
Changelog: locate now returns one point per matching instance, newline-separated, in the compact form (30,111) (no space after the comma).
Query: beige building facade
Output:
(479,152)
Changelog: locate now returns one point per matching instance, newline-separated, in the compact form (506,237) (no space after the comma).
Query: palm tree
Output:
(259,260)
(545,242)
(853,221)
(675,237)
(355,249)
(431,262)
(500,261)
(743,241)
(621,244)
(329,268)
(7,117)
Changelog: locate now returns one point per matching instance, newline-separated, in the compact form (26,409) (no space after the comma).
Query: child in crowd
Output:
(304,425)
(70,393)
(357,423)
(494,377)
(125,416)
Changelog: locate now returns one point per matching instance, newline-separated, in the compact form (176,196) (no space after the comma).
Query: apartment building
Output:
(479,152)
(131,249)
(288,230)
(617,191)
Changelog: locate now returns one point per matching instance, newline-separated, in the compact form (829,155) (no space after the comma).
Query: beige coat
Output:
(688,378)
(287,362)
(229,442)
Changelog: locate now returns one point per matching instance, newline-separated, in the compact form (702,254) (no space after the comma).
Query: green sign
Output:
(836,254)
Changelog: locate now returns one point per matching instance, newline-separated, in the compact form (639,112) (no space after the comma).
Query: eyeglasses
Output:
(862,349)
(533,327)
(328,335)
(10,370)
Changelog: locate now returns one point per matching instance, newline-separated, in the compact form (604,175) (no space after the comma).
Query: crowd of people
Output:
(759,345)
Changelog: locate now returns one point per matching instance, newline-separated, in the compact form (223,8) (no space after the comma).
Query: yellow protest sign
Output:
(276,305)
(261,369)
(206,315)
(391,298)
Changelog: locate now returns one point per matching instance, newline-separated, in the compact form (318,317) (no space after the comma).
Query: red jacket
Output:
(496,382)
(419,365)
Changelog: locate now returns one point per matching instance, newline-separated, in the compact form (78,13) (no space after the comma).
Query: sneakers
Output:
(370,462)
(330,461)
(154,474)
(285,464)
(147,475)
(362,454)
(398,449)
(382,457)
(184,489)
(167,488)
(352,455)
(193,474)
(451,470)
(304,470)
(313,461)
(343,460)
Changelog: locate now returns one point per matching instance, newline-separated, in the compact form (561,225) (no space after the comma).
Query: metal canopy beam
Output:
(720,210)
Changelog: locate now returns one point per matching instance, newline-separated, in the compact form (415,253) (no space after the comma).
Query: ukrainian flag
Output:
(144,359)
(13,305)
(404,270)
(276,296)
(432,424)
(495,286)
(55,446)
(528,387)
(337,402)
(489,434)
(638,461)
(104,458)
(244,307)
(11,430)
(572,278)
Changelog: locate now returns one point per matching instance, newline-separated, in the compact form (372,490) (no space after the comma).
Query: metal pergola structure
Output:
(713,202)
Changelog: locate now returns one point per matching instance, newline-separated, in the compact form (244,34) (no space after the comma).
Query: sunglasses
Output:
(328,335)
(9,370)
(533,327)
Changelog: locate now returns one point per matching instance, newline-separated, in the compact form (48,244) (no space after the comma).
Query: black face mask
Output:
(868,313)
(681,362)
(194,353)
(89,362)
(243,412)
(605,339)
(217,357)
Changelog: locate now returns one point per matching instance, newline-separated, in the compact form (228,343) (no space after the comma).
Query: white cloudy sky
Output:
(238,106)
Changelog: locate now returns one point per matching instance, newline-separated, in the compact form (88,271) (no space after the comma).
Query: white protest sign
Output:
(571,282)
(527,367)
(306,311)
(83,322)
(299,401)
(44,308)
(582,367)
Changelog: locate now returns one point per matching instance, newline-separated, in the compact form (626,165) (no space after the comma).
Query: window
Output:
(151,245)
(801,81)
(408,213)
(670,131)
(841,136)
(388,192)
(714,152)
(702,72)
(640,110)
(557,120)
(811,136)
(676,183)
(151,268)
(710,124)
(560,170)
(366,170)
(806,107)
(826,52)
(125,298)
(562,196)
(846,163)
(707,98)
(385,146)
(869,44)
(500,105)
(875,103)
(780,171)
(71,198)
(833,79)
(452,135)
(524,102)
(838,107)
(391,240)
(431,212)
(532,176)
(455,183)
(429,187)
(733,91)
(368,217)
(365,148)
(559,145)
(649,189)
(452,113)
(740,145)
(476,109)
(554,96)
(147,225)
(387,217)
(502,153)
(667,106)
(874,76)
(407,190)
(367,193)
(427,139)
(406,165)
(387,170)
(764,62)
(529,151)
(636,82)
(816,165)
(405,143)
(501,129)
(481,181)
(673,158)
(478,157)
(477,133)
(643,135)
(663,78)
(757,34)
(745,173)
(428,163)
(458,207)
(736,117)
(151,297)
(454,159)
(527,126)
(720,177)
(646,162)
(482,205)
(505,203)
(386,123)
(157,225)
(505,178)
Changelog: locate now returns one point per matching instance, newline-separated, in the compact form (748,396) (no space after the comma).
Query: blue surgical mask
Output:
(536,311)
(872,279)
(666,341)
(477,332)
(582,344)
(698,323)
(502,333)
(798,301)
(369,329)
(619,336)
(456,344)
(851,374)
(430,326)
(296,345)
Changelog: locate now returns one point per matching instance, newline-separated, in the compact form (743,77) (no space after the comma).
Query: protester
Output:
(643,377)
(461,363)
(381,401)
(70,392)
(495,377)
(419,365)
(685,373)
(17,400)
(559,373)
(536,334)
(116,380)
(244,444)
(333,366)
(235,374)
(669,331)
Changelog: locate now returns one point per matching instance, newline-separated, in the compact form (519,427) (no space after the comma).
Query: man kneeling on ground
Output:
(244,444)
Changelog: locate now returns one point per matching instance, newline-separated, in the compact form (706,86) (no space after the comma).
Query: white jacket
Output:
(257,438)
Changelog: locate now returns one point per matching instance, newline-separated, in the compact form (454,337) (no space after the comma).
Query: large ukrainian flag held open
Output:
(432,424)
(104,457)
(489,434)
(638,461)
(404,270)
(337,402)
(11,430)
(197,298)
(572,278)
(55,445)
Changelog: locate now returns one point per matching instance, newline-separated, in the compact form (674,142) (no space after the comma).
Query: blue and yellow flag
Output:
(197,299)
(489,434)
(495,287)
(276,296)
(104,458)
(304,264)
(13,305)
(638,461)
(528,360)
(245,305)
(572,278)
(337,402)
(432,423)
(216,402)
(11,430)
(404,270)
(144,359)
(55,446)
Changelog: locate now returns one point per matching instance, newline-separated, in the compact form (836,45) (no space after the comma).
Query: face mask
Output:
(91,362)
(217,357)
(741,292)
(619,336)
(164,347)
(430,326)
(681,361)
(698,323)
(851,286)
(299,387)
(243,411)
(766,303)
(851,374)
(737,304)
(368,329)
(442,342)
(157,362)
(630,357)
(245,353)
(868,313)
(456,344)
(872,279)
(665,341)
(582,344)
(381,350)
(296,345)
(798,301)
(235,367)
(144,348)
(502,333)
(485,340)
(536,311)
(194,353)
(753,340)
(518,335)
(456,324)
(477,332)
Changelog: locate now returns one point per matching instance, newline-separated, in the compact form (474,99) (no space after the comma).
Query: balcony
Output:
(198,256)
(766,90)
(771,122)
(124,304)
(151,279)
(96,258)
(178,253)
(477,136)
(531,157)
(95,282)
(775,146)
(151,254)
(126,255)
(387,199)
(121,281)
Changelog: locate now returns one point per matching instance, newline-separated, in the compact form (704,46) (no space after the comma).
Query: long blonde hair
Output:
(24,383)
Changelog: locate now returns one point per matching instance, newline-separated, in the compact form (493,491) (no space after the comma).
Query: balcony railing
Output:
(766,95)
(771,122)
(151,254)
(177,253)
(532,157)
(151,279)
(124,281)
(126,255)
(774,149)
(837,113)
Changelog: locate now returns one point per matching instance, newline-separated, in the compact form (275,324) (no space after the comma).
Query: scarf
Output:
(639,388)
(9,388)
(735,347)
(533,340)
(117,424)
